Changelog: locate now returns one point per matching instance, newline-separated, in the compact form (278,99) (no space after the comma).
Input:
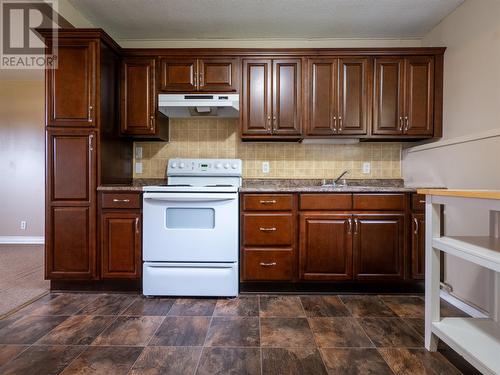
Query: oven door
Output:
(190,227)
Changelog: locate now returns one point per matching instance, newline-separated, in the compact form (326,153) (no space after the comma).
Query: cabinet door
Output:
(379,247)
(178,75)
(218,75)
(138,103)
(418,246)
(287,98)
(322,81)
(325,247)
(71,88)
(353,92)
(419,95)
(256,99)
(388,103)
(121,245)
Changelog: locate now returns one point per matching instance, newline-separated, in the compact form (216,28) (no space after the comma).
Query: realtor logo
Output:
(21,46)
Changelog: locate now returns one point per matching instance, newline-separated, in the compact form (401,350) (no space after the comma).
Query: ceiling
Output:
(263,19)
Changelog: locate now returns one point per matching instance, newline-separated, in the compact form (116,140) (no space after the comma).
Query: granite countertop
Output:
(134,185)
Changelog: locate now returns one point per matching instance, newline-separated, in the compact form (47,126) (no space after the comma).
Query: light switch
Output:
(265,167)
(367,167)
(138,152)
(138,168)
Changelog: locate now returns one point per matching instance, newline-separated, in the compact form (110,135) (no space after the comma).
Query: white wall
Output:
(471,110)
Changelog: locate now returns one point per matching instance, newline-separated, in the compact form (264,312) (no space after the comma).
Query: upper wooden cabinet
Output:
(404,96)
(271,98)
(199,74)
(338,97)
(71,88)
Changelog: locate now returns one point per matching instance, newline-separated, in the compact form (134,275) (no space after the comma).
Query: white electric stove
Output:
(190,229)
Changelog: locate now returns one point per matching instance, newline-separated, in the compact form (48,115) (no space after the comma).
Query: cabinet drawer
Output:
(418,202)
(392,202)
(264,264)
(121,200)
(268,229)
(325,201)
(270,202)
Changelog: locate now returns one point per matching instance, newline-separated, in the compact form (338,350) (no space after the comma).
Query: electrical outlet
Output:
(265,167)
(138,168)
(367,167)
(138,152)
(23,225)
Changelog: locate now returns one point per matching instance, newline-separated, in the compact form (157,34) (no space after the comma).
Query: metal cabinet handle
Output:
(269,122)
(121,200)
(349,221)
(421,201)
(274,122)
(91,143)
(195,77)
(272,264)
(200,79)
(267,229)
(406,123)
(91,109)
(416,225)
(356,226)
(151,123)
(334,124)
(340,124)
(400,123)
(272,201)
(137,225)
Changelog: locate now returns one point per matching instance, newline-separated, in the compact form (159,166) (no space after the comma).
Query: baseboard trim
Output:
(461,305)
(25,240)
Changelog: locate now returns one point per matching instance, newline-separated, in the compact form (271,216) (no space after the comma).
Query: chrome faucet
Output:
(335,182)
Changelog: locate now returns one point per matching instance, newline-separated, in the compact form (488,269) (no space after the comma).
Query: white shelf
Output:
(477,340)
(481,250)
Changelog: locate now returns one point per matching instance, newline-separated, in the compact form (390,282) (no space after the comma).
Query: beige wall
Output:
(471,110)
(213,138)
(22,170)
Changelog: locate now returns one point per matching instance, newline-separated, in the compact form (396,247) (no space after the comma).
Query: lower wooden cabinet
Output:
(325,247)
(268,264)
(121,245)
(418,246)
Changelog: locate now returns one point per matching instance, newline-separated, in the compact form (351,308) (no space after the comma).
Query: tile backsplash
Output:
(219,138)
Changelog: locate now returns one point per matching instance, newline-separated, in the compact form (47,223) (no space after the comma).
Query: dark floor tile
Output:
(35,304)
(29,329)
(361,306)
(281,306)
(359,361)
(391,332)
(64,304)
(405,306)
(418,324)
(241,306)
(77,330)
(167,361)
(339,332)
(286,333)
(222,361)
(150,306)
(129,330)
(193,307)
(42,360)
(233,331)
(9,352)
(108,304)
(181,331)
(293,361)
(323,306)
(104,360)
(417,361)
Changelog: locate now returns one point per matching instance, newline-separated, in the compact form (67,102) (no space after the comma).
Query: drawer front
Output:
(268,229)
(325,201)
(267,202)
(390,202)
(267,265)
(418,202)
(121,200)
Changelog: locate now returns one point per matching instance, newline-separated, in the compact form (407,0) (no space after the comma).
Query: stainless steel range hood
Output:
(199,105)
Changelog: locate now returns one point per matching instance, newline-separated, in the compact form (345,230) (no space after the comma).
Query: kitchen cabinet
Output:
(325,246)
(71,88)
(379,246)
(418,246)
(219,74)
(404,96)
(70,199)
(338,94)
(271,98)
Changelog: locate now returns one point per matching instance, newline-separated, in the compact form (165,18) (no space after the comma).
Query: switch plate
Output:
(138,152)
(367,167)
(23,225)
(265,167)
(138,168)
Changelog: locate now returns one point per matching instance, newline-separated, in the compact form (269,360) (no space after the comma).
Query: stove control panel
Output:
(204,167)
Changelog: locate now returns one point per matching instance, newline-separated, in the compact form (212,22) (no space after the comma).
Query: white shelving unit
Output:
(476,339)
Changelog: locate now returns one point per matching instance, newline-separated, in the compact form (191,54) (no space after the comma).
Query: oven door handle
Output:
(190,197)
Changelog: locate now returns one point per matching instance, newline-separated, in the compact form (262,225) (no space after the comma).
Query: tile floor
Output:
(71,333)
